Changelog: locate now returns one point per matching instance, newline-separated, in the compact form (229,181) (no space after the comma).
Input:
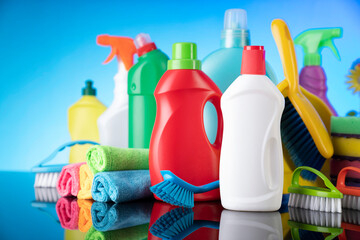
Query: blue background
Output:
(48,50)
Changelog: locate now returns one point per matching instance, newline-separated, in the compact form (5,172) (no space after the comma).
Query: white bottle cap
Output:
(235,19)
(142,39)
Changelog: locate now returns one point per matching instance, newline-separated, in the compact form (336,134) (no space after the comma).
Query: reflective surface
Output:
(41,214)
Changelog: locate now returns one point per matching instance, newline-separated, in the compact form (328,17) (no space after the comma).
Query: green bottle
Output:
(142,80)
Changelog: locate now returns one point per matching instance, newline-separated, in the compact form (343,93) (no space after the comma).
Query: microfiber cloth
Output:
(68,182)
(106,158)
(121,186)
(85,221)
(133,233)
(110,216)
(86,179)
(67,210)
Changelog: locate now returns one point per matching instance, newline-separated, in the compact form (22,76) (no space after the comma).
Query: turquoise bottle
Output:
(223,65)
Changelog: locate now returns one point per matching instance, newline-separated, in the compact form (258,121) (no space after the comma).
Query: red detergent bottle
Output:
(179,142)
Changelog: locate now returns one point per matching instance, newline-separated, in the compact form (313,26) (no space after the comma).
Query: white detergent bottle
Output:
(251,162)
(113,124)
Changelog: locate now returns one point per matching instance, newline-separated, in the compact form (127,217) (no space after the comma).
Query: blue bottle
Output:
(223,65)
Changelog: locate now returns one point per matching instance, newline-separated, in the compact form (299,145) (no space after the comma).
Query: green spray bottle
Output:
(312,76)
(142,80)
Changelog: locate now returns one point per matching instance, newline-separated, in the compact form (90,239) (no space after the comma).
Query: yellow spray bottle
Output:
(82,118)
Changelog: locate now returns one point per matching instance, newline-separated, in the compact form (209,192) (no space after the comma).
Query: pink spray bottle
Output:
(312,76)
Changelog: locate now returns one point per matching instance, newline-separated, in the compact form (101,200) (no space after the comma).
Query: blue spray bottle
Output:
(223,65)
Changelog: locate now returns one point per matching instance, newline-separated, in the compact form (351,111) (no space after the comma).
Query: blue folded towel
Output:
(110,216)
(121,186)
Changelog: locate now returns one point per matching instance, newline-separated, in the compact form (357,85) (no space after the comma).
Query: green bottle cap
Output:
(88,90)
(184,57)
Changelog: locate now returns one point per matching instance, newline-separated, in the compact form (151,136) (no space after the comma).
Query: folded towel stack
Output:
(345,135)
(86,180)
(121,174)
(110,216)
(68,183)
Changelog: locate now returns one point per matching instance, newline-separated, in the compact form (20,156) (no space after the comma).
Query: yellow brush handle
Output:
(308,114)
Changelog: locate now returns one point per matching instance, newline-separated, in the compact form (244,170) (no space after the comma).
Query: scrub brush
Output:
(303,133)
(314,198)
(177,192)
(46,176)
(178,224)
(351,198)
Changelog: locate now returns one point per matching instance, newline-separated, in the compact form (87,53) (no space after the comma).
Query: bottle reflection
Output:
(250,225)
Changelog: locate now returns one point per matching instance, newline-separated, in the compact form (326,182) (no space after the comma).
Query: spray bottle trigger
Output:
(330,43)
(110,57)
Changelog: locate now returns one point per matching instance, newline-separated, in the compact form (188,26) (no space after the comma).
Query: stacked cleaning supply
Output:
(345,136)
(121,174)
(68,183)
(86,180)
(110,216)
(85,221)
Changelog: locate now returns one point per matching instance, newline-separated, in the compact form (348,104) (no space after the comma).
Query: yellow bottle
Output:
(82,120)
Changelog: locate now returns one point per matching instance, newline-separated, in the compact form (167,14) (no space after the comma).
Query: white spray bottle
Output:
(251,162)
(113,124)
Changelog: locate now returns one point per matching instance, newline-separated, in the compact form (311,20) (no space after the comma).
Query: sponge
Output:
(106,158)
(345,125)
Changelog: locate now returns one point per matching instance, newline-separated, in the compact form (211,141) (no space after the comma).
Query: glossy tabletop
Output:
(26,215)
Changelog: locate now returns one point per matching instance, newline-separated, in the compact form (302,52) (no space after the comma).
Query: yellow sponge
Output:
(346,146)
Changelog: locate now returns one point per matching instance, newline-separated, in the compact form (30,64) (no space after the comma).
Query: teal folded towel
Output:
(111,216)
(121,186)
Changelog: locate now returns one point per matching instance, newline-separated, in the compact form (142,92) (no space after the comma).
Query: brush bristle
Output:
(317,218)
(46,180)
(172,223)
(351,202)
(323,204)
(46,194)
(351,216)
(298,142)
(172,193)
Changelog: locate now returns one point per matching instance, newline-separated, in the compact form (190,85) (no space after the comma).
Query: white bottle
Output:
(113,124)
(250,225)
(251,162)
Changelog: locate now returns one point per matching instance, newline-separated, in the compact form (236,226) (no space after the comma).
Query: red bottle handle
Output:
(215,100)
(340,185)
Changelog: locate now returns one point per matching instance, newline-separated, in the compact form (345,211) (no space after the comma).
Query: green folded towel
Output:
(139,232)
(106,158)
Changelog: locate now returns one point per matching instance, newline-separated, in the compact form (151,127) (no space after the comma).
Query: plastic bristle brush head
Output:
(47,194)
(317,218)
(173,223)
(351,198)
(314,198)
(351,216)
(46,179)
(298,141)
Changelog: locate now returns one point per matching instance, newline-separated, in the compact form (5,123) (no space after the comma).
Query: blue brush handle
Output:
(62,147)
(169,176)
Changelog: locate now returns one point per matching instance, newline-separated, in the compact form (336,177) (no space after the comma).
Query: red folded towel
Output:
(68,183)
(67,210)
